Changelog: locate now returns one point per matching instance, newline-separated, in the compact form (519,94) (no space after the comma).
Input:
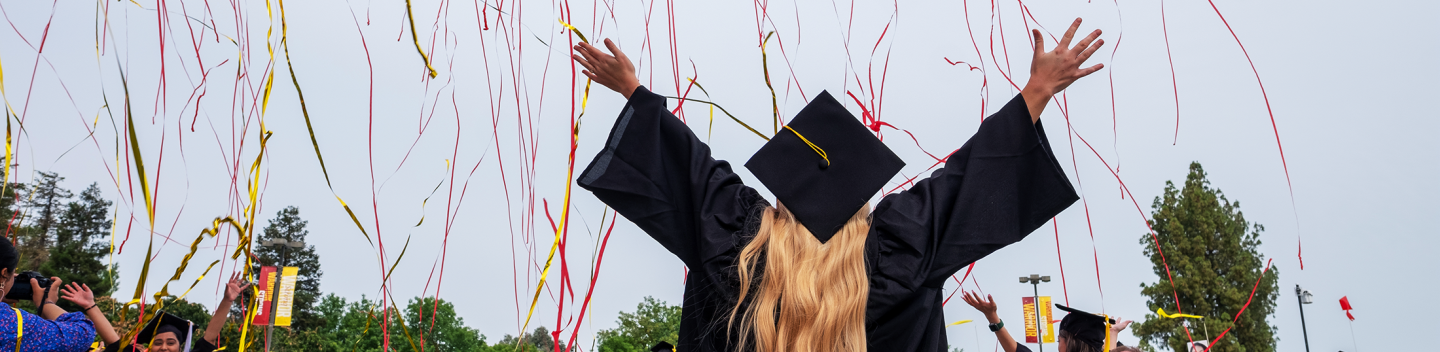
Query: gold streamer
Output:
(304,111)
(765,65)
(576,31)
(1161,312)
(411,15)
(727,113)
(959,322)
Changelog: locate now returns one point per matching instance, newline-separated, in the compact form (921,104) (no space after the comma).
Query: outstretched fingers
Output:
(615,49)
(1069,34)
(1090,50)
(1088,70)
(1085,43)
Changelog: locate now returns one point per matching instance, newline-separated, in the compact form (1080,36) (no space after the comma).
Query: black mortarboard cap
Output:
(1086,327)
(165,322)
(823,194)
(663,346)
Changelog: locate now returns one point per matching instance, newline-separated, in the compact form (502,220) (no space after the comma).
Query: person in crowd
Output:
(169,333)
(818,270)
(80,295)
(1079,331)
(1115,333)
(53,330)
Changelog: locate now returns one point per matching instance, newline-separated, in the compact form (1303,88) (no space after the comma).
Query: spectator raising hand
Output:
(80,295)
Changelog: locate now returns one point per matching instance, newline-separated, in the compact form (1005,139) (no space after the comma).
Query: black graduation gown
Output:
(1001,185)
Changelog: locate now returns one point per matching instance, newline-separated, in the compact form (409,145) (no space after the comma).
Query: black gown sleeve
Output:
(659,175)
(1001,185)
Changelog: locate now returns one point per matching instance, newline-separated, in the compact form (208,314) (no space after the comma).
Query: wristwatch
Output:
(997,326)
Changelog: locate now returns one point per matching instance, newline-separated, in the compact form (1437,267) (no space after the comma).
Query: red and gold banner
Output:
(1031,332)
(265,295)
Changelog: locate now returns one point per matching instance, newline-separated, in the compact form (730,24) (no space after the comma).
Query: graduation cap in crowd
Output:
(165,322)
(663,346)
(1088,328)
(824,165)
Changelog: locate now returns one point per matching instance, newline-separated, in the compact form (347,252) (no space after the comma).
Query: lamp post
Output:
(1034,280)
(1304,297)
(284,259)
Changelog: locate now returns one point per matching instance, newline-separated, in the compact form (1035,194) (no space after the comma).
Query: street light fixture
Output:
(1304,297)
(284,247)
(1034,280)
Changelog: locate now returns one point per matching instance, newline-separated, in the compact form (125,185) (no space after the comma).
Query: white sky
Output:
(1348,84)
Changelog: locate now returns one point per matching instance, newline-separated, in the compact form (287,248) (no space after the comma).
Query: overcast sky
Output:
(1348,83)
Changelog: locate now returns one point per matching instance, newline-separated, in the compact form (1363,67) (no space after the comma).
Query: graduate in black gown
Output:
(169,333)
(997,188)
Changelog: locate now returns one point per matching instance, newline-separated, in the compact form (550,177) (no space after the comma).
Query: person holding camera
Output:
(54,330)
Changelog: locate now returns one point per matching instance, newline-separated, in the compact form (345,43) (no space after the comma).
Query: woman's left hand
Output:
(79,294)
(1117,328)
(235,287)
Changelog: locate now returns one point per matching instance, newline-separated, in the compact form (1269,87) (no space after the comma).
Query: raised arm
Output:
(222,310)
(1053,71)
(612,71)
(987,306)
(658,174)
(80,295)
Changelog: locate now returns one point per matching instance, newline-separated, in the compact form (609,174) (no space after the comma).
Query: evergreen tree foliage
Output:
(1213,255)
(653,321)
(45,201)
(80,247)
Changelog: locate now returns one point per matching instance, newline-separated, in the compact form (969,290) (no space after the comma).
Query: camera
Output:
(22,290)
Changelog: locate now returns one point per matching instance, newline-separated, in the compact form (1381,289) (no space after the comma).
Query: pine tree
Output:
(45,200)
(288,225)
(1213,255)
(79,250)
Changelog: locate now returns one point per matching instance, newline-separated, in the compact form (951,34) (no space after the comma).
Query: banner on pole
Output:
(285,297)
(1031,331)
(266,292)
(1047,320)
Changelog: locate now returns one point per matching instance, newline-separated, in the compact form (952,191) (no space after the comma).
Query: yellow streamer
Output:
(1161,312)
(564,217)
(765,65)
(959,322)
(814,147)
(197,280)
(576,31)
(727,113)
(411,15)
(305,111)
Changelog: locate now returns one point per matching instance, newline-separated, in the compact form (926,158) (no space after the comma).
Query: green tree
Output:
(1213,255)
(653,321)
(442,331)
(46,200)
(288,225)
(537,341)
(78,252)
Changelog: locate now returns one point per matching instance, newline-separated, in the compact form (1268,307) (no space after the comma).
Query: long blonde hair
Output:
(810,296)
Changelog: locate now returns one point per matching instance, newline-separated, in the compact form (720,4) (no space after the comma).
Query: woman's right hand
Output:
(614,72)
(986,305)
(39,291)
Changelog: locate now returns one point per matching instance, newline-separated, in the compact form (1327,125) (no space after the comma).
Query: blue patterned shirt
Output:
(71,332)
